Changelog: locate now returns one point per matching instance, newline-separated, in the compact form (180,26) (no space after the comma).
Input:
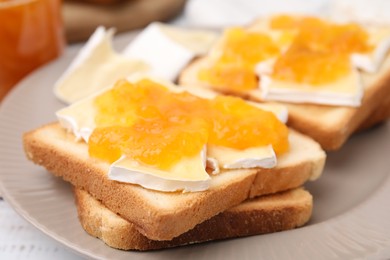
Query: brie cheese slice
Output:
(371,62)
(254,157)
(79,119)
(95,67)
(167,49)
(188,175)
(347,91)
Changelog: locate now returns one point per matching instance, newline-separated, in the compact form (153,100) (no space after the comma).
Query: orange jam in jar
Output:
(234,64)
(153,125)
(320,52)
(31,34)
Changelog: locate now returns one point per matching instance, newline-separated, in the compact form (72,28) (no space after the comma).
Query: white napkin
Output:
(222,13)
(374,12)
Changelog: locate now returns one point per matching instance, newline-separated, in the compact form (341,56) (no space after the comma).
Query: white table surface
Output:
(20,240)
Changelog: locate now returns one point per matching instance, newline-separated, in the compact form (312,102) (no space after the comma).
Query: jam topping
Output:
(319,35)
(155,126)
(302,65)
(239,125)
(246,48)
(235,61)
(157,143)
(231,76)
(315,52)
(320,52)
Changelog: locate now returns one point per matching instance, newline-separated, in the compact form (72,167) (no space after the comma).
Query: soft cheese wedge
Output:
(368,48)
(168,49)
(78,118)
(189,174)
(95,67)
(160,50)
(379,38)
(254,157)
(345,91)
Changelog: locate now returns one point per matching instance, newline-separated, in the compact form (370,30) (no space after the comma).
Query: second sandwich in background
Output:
(331,76)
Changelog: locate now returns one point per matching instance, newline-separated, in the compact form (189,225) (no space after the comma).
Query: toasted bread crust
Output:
(329,125)
(334,136)
(163,215)
(266,214)
(379,115)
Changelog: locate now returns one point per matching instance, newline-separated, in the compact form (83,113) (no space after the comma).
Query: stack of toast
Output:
(266,214)
(163,216)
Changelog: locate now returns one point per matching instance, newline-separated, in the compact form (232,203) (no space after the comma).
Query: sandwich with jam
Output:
(333,77)
(155,165)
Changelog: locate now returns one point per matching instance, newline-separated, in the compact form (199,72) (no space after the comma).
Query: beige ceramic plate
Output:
(352,200)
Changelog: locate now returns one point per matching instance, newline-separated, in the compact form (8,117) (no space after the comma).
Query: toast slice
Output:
(165,215)
(329,125)
(266,214)
(379,115)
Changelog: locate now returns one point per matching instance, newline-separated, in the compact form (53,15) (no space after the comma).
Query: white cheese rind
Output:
(280,111)
(371,62)
(254,157)
(78,118)
(168,49)
(213,164)
(198,41)
(94,40)
(348,91)
(165,56)
(95,67)
(130,171)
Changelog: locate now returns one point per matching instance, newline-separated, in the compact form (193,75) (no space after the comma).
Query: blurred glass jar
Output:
(31,34)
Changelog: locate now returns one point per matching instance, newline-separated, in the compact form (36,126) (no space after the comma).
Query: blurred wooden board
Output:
(81,18)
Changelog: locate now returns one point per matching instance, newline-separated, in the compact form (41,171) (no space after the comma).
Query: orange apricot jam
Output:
(240,52)
(288,22)
(239,125)
(334,38)
(314,68)
(159,143)
(147,122)
(247,48)
(155,126)
(234,76)
(31,34)
(320,52)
